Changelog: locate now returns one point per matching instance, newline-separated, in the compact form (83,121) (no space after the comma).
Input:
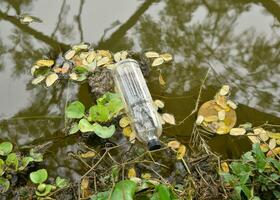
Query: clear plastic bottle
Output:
(132,86)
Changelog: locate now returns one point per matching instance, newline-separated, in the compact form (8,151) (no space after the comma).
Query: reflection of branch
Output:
(126,26)
(78,18)
(59,18)
(38,35)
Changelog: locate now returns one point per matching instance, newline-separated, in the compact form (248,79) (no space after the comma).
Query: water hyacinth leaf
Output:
(74,128)
(75,110)
(47,190)
(181,152)
(260,157)
(168,118)
(237,131)
(5,148)
(4,185)
(151,54)
(61,182)
(157,62)
(2,167)
(12,160)
(89,154)
(166,57)
(103,131)
(41,187)
(37,80)
(174,144)
(131,173)
(51,79)
(124,122)
(124,190)
(25,162)
(39,176)
(45,63)
(85,126)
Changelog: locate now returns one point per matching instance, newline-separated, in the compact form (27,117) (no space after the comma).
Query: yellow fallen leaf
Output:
(254,139)
(51,79)
(85,187)
(222,130)
(127,131)
(159,103)
(166,57)
(273,152)
(278,141)
(124,55)
(45,63)
(157,62)
(132,137)
(104,53)
(174,144)
(151,54)
(146,176)
(91,56)
(181,152)
(272,143)
(237,131)
(274,135)
(168,118)
(117,56)
(89,154)
(73,76)
(221,101)
(224,167)
(199,120)
(38,79)
(264,147)
(131,173)
(161,80)
(103,61)
(124,122)
(224,90)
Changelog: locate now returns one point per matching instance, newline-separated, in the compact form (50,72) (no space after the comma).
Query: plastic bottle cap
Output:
(154,144)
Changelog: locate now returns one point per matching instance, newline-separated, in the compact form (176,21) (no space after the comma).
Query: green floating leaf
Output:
(61,182)
(81,69)
(74,128)
(85,126)
(75,110)
(5,148)
(113,102)
(4,185)
(25,162)
(163,192)
(101,196)
(39,176)
(98,113)
(2,167)
(12,160)
(37,157)
(48,189)
(103,131)
(124,190)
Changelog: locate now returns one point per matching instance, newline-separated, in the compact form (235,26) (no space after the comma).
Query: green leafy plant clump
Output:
(106,108)
(12,163)
(254,175)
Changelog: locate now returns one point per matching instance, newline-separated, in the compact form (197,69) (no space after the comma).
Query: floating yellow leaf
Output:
(146,176)
(264,147)
(124,122)
(211,118)
(199,120)
(124,55)
(278,141)
(69,54)
(258,131)
(168,118)
(151,54)
(89,154)
(51,79)
(159,103)
(272,143)
(231,104)
(81,46)
(91,56)
(224,167)
(161,80)
(174,144)
(85,187)
(222,130)
(166,57)
(157,62)
(57,70)
(104,53)
(38,79)
(237,131)
(224,90)
(103,61)
(131,173)
(73,76)
(274,135)
(221,101)
(127,131)
(181,152)
(45,63)
(117,56)
(273,152)
(254,139)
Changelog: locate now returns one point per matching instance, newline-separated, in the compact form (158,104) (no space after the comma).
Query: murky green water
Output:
(239,39)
